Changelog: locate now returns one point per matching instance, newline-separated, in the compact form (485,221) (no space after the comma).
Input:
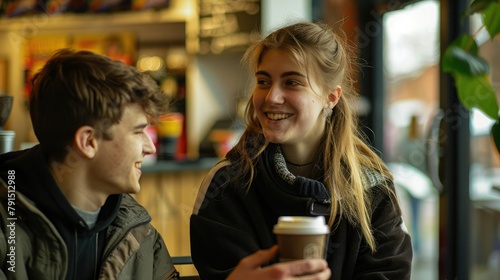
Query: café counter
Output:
(168,192)
(179,166)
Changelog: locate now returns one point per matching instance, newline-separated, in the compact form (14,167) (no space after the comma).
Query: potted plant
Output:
(471,72)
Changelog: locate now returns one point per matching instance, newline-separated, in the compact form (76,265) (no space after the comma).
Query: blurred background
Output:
(445,165)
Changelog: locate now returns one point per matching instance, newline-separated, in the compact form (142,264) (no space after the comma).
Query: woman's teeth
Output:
(277,116)
(138,165)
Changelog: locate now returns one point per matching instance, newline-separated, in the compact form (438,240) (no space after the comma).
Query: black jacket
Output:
(228,224)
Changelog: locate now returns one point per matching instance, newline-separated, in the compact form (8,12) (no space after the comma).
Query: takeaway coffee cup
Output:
(301,237)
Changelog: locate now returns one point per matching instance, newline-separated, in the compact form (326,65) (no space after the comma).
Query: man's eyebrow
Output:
(141,126)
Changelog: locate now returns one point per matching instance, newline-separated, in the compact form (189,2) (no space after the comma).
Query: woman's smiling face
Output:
(287,102)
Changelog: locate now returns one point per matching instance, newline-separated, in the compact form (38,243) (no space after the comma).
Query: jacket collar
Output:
(301,197)
(34,180)
(297,185)
(285,192)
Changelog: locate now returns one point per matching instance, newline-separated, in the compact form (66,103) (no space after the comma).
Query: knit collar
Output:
(296,185)
(370,179)
(280,165)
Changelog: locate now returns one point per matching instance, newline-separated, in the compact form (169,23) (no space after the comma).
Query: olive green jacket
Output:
(31,248)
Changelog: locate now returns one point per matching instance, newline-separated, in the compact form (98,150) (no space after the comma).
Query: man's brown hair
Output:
(77,88)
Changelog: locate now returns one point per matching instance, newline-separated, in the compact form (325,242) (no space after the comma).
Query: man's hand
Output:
(250,268)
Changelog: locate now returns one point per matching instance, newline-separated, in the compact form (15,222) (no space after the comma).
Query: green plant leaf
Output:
(477,6)
(467,43)
(454,59)
(457,61)
(495,133)
(477,92)
(491,18)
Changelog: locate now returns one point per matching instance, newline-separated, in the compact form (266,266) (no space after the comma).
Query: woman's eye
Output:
(292,83)
(262,82)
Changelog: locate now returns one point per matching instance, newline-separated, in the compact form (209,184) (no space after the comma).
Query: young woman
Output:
(302,155)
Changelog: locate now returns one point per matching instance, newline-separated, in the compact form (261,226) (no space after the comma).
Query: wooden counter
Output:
(168,192)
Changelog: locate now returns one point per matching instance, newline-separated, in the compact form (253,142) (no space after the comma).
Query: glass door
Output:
(485,175)
(453,234)
(411,103)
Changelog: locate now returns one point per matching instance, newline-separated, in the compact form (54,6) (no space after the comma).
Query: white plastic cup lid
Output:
(301,225)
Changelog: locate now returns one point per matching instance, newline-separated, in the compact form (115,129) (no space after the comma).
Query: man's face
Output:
(116,166)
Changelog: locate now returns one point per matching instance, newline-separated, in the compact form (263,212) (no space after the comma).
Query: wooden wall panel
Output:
(169,198)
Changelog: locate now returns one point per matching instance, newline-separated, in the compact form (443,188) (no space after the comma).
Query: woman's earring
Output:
(327,113)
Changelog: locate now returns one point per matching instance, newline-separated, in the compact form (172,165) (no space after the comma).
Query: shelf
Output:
(149,26)
(177,166)
(176,13)
(84,21)
(174,24)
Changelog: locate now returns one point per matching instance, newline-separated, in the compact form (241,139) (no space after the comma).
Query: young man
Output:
(66,211)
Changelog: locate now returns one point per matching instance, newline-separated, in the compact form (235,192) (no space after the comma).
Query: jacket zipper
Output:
(95,253)
(76,255)
(119,239)
(113,247)
(96,250)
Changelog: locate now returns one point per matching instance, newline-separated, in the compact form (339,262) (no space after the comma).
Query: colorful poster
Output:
(118,46)
(36,51)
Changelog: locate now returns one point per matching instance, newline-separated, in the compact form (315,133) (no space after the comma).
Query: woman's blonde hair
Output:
(326,56)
